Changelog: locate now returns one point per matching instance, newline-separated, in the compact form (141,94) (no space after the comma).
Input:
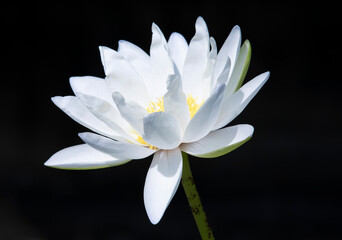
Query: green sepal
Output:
(240,68)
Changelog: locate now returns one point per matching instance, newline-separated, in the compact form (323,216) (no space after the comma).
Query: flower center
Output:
(158,106)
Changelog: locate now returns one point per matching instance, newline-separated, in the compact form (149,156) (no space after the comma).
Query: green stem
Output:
(194,200)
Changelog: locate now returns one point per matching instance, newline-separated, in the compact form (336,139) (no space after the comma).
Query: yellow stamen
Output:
(158,106)
(193,105)
(140,139)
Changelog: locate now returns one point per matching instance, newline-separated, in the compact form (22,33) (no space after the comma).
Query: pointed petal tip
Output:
(247,43)
(155,27)
(200,23)
(237,27)
(266,75)
(101,47)
(51,162)
(75,79)
(153,218)
(263,77)
(249,129)
(47,164)
(82,134)
(199,18)
(56,100)
(102,50)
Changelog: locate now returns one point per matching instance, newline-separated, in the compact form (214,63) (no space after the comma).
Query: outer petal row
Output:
(240,70)
(230,48)
(82,157)
(92,86)
(119,150)
(234,104)
(219,142)
(74,108)
(162,181)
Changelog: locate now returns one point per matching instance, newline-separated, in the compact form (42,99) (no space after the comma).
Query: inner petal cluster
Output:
(158,106)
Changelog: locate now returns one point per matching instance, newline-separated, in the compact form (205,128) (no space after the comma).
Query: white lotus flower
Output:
(176,99)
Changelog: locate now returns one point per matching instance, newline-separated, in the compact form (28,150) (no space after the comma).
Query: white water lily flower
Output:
(176,99)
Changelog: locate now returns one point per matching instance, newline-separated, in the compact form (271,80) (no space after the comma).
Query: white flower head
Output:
(176,99)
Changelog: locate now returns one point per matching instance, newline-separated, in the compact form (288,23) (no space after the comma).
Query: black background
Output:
(283,184)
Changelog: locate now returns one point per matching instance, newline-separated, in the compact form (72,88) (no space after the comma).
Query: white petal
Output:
(162,181)
(91,86)
(178,50)
(175,101)
(162,130)
(223,78)
(208,82)
(132,112)
(204,120)
(114,148)
(122,77)
(240,69)
(219,142)
(107,114)
(82,157)
(139,59)
(230,48)
(134,55)
(161,64)
(233,105)
(74,108)
(196,60)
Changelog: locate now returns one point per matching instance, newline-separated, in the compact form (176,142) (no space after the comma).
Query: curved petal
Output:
(161,64)
(82,157)
(233,105)
(208,82)
(162,181)
(74,108)
(219,142)
(223,78)
(162,130)
(240,69)
(196,60)
(230,48)
(122,77)
(178,49)
(132,112)
(107,114)
(138,58)
(175,101)
(93,86)
(204,120)
(115,149)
